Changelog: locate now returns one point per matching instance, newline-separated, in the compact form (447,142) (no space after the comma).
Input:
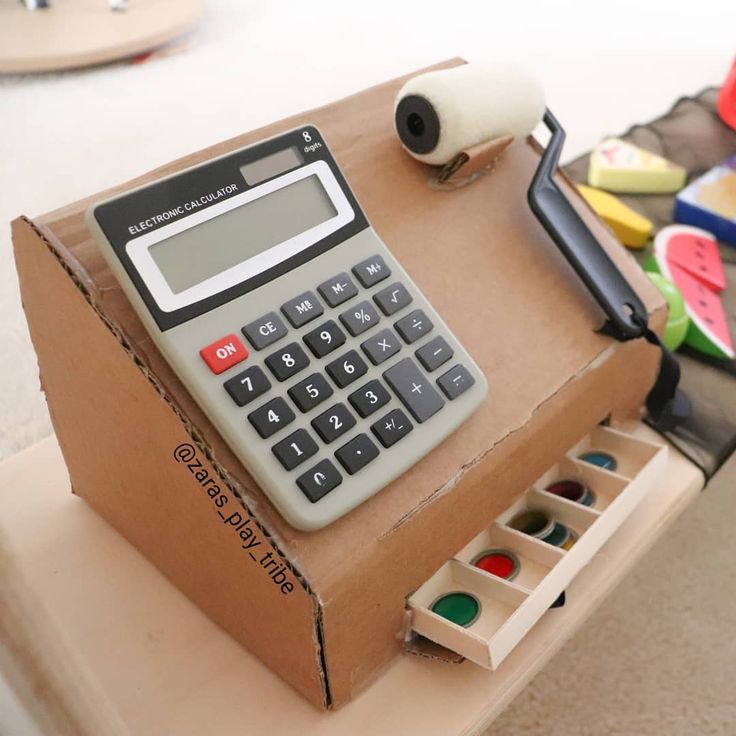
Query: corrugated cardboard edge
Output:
(23,228)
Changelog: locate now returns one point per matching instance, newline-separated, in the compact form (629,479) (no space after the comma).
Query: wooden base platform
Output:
(101,643)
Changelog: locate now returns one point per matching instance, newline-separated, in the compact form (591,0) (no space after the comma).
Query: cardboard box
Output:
(327,610)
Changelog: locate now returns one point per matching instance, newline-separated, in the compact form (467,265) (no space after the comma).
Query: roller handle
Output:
(625,312)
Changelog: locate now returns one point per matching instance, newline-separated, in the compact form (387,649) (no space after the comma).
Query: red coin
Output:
(497,563)
(572,490)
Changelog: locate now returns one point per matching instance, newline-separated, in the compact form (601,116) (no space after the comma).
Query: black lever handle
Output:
(625,312)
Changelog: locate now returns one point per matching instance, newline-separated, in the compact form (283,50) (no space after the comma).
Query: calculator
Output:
(302,338)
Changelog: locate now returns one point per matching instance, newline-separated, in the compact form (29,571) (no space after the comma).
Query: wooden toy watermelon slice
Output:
(708,331)
(695,251)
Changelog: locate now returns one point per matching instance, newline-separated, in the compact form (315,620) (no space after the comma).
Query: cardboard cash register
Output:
(164,436)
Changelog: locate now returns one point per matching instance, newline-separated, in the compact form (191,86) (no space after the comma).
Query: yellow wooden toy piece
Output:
(619,166)
(631,228)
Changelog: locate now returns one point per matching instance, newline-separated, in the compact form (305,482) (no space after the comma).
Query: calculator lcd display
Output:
(218,244)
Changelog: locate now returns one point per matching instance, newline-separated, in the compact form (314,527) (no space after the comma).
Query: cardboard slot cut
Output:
(513,607)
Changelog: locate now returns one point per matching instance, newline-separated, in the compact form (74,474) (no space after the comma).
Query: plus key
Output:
(414,389)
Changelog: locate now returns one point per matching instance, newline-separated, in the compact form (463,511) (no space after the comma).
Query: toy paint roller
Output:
(439,115)
(442,116)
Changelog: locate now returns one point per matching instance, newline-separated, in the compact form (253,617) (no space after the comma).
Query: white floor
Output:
(65,136)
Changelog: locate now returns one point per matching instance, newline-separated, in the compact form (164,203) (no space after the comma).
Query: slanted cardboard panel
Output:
(119,434)
(495,276)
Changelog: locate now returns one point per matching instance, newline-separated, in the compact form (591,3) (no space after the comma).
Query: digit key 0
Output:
(318,481)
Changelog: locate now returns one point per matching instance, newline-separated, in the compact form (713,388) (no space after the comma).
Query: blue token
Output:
(600,459)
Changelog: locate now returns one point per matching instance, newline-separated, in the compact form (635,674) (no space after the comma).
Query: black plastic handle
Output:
(625,312)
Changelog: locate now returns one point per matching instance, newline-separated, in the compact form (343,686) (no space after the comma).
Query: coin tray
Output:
(509,608)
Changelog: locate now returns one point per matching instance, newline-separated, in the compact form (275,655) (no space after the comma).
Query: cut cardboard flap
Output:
(503,288)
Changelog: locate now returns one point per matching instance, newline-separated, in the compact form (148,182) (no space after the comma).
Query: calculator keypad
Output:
(330,441)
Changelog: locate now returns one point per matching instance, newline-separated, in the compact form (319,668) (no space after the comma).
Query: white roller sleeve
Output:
(476,103)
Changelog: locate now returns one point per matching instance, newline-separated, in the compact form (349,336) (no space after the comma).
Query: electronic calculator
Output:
(302,338)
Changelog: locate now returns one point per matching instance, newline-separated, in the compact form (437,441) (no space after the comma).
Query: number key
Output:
(325,339)
(334,422)
(311,391)
(347,368)
(271,417)
(295,449)
(248,385)
(369,398)
(319,480)
(286,362)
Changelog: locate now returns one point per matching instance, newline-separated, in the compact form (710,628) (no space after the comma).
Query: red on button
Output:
(224,353)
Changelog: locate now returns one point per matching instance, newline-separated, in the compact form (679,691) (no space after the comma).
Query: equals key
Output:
(455,382)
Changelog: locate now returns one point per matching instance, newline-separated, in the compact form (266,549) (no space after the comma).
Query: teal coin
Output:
(601,459)
(588,499)
(560,534)
(460,608)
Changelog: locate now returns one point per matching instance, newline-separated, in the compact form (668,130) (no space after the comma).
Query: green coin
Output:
(460,608)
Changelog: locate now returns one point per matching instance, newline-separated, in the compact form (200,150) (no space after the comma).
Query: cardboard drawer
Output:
(508,608)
